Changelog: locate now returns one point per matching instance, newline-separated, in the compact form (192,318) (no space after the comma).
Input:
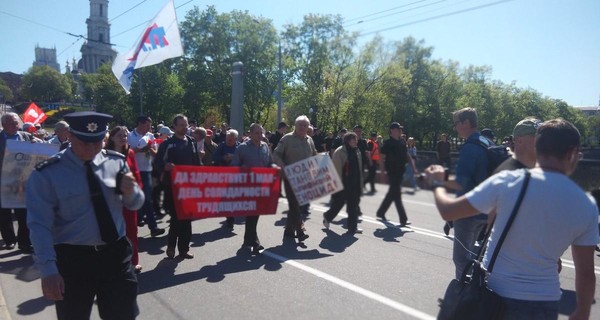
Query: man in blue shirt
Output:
(471,170)
(253,153)
(75,205)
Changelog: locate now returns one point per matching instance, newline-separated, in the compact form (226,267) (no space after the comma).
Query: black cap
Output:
(373,134)
(282,125)
(395,125)
(358,126)
(88,126)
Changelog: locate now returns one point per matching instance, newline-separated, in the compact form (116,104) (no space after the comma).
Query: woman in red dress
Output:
(117,141)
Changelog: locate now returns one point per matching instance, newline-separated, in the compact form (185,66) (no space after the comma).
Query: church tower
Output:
(97,49)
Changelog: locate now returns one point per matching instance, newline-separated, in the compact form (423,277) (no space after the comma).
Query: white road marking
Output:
(566,263)
(352,287)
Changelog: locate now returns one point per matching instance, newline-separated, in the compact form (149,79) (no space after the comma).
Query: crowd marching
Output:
(84,205)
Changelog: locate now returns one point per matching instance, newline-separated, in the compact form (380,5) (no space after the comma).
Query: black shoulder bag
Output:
(470,297)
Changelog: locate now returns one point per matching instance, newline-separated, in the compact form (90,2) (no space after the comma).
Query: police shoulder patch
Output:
(46,163)
(113,153)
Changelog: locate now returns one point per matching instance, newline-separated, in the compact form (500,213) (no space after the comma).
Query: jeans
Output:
(466,232)
(530,310)
(410,175)
(146,212)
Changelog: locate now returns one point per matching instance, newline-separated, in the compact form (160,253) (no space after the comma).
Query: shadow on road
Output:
(337,242)
(34,306)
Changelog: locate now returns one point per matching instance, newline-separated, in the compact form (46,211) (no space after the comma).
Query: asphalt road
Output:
(385,273)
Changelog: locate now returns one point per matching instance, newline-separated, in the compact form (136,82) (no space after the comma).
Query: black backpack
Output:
(496,154)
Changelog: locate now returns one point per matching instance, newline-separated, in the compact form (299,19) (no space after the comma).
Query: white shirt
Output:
(143,159)
(555,214)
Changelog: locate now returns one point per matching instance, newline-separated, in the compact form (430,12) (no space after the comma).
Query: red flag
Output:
(34,114)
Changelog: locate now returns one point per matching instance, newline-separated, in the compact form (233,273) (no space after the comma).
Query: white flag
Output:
(160,41)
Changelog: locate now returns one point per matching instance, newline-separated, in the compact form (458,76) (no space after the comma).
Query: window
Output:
(101,9)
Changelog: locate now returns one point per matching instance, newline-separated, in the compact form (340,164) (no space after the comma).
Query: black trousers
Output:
(180,231)
(294,219)
(350,196)
(394,194)
(7,229)
(371,176)
(250,235)
(105,274)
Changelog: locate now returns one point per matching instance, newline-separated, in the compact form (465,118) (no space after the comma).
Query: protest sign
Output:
(313,178)
(205,192)
(20,158)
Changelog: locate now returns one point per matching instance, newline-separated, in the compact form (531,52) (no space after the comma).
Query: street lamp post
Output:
(279,82)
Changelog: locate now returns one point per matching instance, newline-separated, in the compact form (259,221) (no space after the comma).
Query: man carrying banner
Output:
(180,149)
(10,131)
(253,153)
(293,147)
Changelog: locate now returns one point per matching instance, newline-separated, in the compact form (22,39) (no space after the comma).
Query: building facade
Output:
(97,49)
(46,57)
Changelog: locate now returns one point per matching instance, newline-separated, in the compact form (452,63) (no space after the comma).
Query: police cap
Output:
(88,126)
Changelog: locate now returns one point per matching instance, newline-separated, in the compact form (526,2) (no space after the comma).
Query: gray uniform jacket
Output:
(59,204)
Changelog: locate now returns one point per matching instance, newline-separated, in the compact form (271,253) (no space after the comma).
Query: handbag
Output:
(470,297)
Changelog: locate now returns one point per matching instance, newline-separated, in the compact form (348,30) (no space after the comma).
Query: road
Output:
(385,273)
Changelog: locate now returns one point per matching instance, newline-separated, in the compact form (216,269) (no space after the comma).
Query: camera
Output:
(422,183)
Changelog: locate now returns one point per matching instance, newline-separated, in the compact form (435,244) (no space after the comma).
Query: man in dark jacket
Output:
(10,131)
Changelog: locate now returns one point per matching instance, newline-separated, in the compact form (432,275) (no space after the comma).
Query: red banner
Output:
(34,114)
(206,192)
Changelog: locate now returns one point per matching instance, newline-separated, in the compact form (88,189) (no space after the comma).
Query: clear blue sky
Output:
(552,46)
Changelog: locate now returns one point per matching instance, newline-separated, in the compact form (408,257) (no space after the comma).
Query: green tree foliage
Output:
(213,42)
(106,94)
(42,83)
(5,92)
(324,70)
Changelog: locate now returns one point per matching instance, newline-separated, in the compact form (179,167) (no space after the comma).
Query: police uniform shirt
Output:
(59,204)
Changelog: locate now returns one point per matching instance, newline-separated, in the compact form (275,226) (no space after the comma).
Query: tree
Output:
(213,42)
(107,95)
(42,83)
(5,91)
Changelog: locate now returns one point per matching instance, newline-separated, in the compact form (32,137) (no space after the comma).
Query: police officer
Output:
(74,203)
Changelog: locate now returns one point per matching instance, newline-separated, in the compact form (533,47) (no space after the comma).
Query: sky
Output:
(551,46)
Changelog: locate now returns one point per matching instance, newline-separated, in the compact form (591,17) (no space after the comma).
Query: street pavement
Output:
(385,273)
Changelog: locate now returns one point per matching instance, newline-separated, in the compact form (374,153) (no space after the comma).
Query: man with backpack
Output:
(471,169)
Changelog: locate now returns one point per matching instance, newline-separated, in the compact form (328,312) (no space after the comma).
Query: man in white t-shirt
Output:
(141,140)
(525,274)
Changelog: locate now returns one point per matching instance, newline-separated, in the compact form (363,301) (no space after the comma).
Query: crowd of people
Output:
(129,186)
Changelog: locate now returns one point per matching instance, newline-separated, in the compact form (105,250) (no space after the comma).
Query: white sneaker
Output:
(326,223)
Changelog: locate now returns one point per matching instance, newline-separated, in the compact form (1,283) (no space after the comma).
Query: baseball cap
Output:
(88,126)
(395,125)
(165,130)
(526,127)
(282,125)
(373,134)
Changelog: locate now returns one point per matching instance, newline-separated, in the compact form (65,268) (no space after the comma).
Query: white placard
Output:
(313,178)
(20,158)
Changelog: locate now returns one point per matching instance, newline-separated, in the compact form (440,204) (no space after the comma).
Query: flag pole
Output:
(139,74)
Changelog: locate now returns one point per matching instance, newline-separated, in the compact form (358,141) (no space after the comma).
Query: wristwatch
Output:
(436,183)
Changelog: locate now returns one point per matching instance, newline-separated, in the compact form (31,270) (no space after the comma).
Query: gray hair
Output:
(61,125)
(9,115)
(302,118)
(233,132)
